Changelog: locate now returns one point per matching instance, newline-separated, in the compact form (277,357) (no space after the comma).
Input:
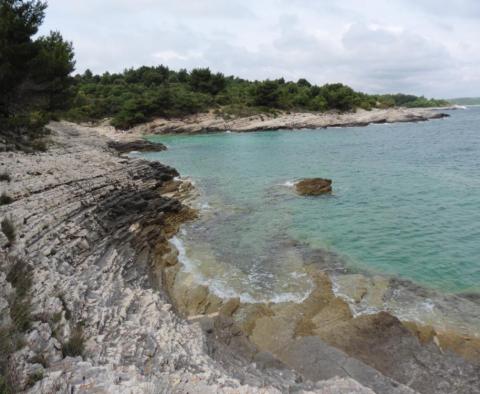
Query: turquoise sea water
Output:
(406,203)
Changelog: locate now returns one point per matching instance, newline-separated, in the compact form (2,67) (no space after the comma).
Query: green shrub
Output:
(75,345)
(5,199)
(8,228)
(20,277)
(20,312)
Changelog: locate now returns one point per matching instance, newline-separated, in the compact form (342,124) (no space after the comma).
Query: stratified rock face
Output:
(91,225)
(211,122)
(137,146)
(313,186)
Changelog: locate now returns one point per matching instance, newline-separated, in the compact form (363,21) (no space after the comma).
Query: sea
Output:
(405,210)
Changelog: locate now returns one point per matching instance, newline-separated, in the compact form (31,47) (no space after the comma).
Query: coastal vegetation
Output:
(35,74)
(138,95)
(8,229)
(36,86)
(466,101)
(12,335)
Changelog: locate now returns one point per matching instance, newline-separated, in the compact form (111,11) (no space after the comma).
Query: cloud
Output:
(416,46)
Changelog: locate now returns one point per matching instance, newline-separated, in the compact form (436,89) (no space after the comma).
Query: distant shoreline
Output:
(211,122)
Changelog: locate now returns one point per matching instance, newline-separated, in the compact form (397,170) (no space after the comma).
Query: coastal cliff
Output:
(92,231)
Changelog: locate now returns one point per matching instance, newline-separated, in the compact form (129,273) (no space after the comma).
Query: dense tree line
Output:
(35,73)
(36,84)
(138,95)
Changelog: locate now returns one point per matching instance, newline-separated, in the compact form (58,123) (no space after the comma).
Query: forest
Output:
(138,95)
(37,84)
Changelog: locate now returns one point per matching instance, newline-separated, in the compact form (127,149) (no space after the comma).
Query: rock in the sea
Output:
(137,145)
(313,186)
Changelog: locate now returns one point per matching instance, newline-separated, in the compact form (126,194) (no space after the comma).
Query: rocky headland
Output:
(212,122)
(110,309)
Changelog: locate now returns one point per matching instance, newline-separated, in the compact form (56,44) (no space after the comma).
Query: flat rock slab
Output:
(316,360)
(137,145)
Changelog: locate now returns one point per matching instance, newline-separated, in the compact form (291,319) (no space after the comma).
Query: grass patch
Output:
(5,199)
(20,277)
(39,145)
(5,177)
(76,343)
(11,336)
(20,313)
(8,228)
(34,378)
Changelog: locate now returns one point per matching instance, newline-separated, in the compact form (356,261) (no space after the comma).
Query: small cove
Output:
(405,205)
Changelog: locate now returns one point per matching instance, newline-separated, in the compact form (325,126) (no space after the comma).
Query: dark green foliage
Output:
(20,277)
(137,96)
(202,80)
(34,73)
(409,101)
(267,94)
(8,228)
(75,345)
(5,199)
(5,177)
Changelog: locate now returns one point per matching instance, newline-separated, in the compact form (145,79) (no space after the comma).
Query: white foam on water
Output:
(289,183)
(223,290)
(188,264)
(357,309)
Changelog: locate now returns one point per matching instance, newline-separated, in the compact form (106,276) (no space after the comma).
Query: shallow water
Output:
(406,203)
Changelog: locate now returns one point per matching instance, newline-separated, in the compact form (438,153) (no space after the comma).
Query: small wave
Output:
(223,290)
(188,264)
(289,184)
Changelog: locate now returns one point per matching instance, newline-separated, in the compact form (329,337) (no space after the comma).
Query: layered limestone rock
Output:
(320,337)
(90,228)
(211,122)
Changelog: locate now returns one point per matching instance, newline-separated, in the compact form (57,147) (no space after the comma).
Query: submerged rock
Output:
(313,186)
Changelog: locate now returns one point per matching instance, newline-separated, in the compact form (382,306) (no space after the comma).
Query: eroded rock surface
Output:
(313,186)
(90,227)
(211,122)
(136,146)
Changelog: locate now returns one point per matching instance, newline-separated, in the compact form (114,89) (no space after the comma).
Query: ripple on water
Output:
(405,205)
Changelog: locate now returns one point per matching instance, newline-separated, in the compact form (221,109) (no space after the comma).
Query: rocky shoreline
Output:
(90,229)
(94,229)
(211,122)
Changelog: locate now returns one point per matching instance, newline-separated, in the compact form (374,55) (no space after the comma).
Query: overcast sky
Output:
(425,47)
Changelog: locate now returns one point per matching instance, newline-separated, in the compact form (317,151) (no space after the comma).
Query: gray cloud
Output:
(411,46)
